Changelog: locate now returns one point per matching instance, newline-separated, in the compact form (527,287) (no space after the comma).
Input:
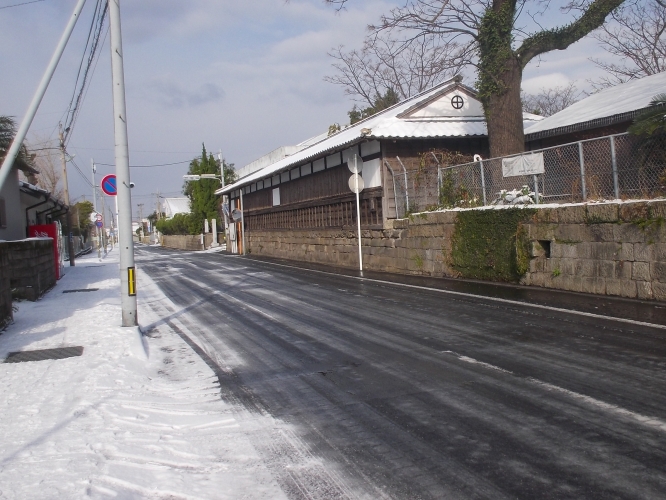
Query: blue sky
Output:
(242,76)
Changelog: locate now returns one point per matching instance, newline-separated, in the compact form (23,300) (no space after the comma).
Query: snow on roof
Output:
(614,104)
(32,189)
(430,114)
(173,206)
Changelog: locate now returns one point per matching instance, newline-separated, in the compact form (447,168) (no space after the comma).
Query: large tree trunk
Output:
(504,113)
(500,75)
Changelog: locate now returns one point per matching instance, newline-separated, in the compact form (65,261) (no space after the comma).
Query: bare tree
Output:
(385,64)
(550,101)
(502,37)
(637,36)
(48,162)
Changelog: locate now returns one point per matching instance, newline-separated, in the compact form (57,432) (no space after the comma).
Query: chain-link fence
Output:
(415,183)
(620,166)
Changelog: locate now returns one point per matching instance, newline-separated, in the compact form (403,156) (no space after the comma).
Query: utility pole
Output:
(124,196)
(224,201)
(94,183)
(140,205)
(68,216)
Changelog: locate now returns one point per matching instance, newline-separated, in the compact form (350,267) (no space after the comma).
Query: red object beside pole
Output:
(48,231)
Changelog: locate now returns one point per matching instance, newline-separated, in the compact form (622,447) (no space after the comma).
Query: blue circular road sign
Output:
(109,185)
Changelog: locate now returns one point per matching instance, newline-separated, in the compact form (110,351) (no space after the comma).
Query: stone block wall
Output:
(31,267)
(208,239)
(189,242)
(609,248)
(181,242)
(5,288)
(606,248)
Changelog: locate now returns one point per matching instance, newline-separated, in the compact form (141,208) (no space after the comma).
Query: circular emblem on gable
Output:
(457,102)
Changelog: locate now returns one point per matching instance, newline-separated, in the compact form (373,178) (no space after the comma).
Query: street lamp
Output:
(201,176)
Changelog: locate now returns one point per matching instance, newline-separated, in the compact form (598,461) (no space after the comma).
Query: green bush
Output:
(491,244)
(180,224)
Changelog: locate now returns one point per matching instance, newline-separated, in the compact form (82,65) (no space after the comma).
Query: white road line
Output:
(653,422)
(471,295)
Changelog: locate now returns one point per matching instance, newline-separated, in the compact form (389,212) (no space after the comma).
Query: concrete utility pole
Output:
(68,216)
(14,149)
(124,196)
(224,200)
(94,183)
(140,205)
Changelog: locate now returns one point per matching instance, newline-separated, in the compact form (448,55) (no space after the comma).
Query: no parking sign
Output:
(109,185)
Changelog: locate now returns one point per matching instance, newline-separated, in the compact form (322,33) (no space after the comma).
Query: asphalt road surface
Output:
(383,390)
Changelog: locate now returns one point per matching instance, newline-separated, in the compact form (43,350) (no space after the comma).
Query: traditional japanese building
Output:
(400,150)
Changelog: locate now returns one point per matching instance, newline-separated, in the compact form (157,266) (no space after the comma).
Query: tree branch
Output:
(561,38)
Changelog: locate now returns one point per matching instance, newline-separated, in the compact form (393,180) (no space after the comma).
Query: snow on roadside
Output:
(109,424)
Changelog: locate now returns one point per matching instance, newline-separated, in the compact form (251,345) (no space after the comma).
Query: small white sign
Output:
(356,183)
(528,164)
(355,164)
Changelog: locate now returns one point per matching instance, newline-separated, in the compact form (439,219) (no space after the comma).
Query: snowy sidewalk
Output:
(113,422)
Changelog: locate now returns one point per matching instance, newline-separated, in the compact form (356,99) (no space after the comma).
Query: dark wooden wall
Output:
(582,135)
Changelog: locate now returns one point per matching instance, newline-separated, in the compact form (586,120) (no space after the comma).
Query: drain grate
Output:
(43,354)
(81,290)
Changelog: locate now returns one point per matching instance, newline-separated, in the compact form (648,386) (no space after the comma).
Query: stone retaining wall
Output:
(606,248)
(31,267)
(181,242)
(5,288)
(611,249)
(186,242)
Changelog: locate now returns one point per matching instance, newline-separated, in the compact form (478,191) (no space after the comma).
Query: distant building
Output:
(173,206)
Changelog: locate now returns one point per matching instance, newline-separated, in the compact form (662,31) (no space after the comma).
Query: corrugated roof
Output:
(606,107)
(393,122)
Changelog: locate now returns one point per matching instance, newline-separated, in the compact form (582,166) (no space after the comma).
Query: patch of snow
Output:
(130,418)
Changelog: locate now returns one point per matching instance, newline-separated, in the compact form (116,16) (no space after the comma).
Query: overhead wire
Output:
(148,166)
(94,33)
(85,177)
(19,4)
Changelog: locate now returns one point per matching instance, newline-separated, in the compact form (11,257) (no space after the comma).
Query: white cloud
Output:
(244,76)
(546,81)
(173,95)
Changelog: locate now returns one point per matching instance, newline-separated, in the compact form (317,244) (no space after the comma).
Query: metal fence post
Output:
(582,170)
(536,189)
(406,185)
(616,184)
(483,184)
(439,183)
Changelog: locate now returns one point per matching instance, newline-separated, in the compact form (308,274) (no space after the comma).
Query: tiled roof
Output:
(418,117)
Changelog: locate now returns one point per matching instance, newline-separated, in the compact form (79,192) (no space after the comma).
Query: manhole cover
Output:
(42,354)
(81,290)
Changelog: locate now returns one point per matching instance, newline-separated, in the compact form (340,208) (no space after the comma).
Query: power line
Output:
(85,177)
(147,166)
(94,34)
(144,151)
(19,4)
